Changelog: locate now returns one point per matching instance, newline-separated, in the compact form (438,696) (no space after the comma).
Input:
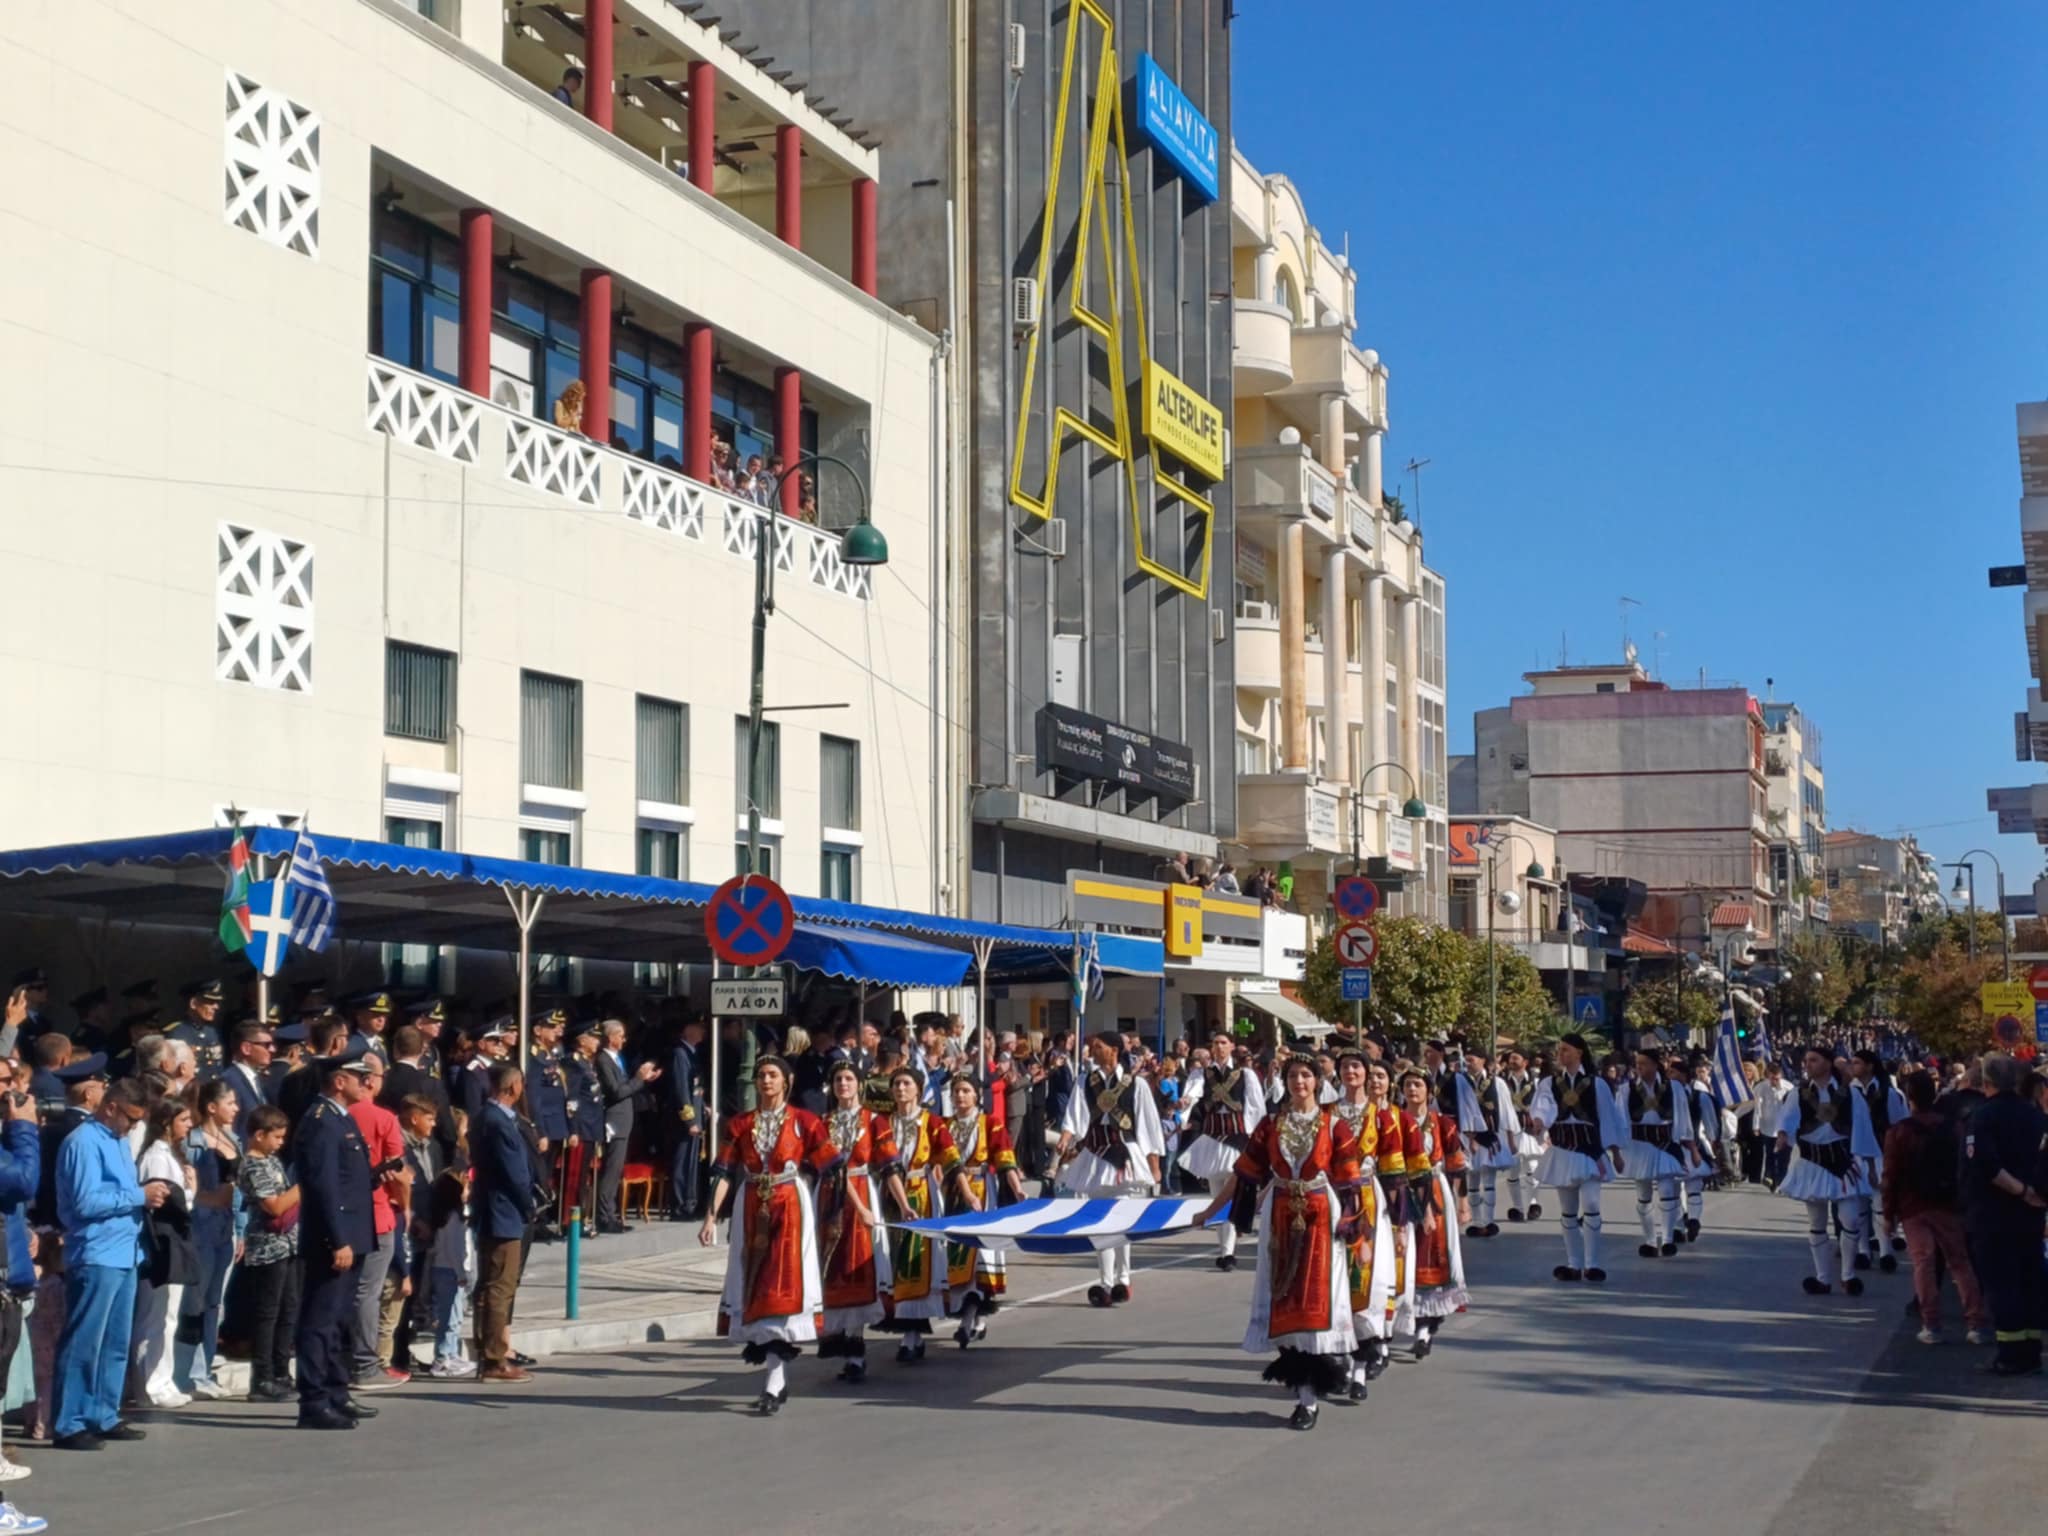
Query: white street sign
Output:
(762,999)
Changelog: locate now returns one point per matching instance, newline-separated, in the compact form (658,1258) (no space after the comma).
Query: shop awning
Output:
(386,893)
(1279,1006)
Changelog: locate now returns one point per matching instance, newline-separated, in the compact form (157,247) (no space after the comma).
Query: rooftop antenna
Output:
(1626,604)
(1563,650)
(1415,467)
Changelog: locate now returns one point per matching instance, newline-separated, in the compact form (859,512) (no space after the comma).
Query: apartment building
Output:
(300,520)
(1340,685)
(1796,807)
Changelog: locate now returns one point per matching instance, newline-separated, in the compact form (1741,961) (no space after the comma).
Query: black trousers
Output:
(684,1160)
(271,1294)
(327,1309)
(2009,1267)
(611,1174)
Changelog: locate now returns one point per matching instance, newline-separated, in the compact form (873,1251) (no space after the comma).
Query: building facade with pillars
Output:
(1797,808)
(1340,679)
(1056,202)
(318,534)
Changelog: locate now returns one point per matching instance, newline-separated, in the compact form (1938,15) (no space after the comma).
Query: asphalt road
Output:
(1705,1392)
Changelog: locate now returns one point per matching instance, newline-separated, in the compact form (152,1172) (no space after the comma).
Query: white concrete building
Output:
(288,525)
(1340,620)
(1796,808)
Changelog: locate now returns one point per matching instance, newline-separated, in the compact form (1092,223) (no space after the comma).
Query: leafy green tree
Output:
(1419,983)
(1661,1003)
(1937,995)
(1817,980)
(1525,1007)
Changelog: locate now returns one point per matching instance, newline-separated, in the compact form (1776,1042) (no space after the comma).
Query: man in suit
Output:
(302,1088)
(335,1232)
(502,1207)
(622,1090)
(686,1079)
(408,1077)
(248,1074)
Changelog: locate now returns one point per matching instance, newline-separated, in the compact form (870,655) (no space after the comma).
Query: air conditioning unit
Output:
(1054,537)
(1024,303)
(1256,613)
(1016,49)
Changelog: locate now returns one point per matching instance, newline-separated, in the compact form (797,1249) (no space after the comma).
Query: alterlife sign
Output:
(1172,125)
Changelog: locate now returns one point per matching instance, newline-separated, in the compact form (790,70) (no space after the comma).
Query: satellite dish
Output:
(1629,653)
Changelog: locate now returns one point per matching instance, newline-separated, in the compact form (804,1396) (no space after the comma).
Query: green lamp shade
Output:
(863,544)
(1534,871)
(1414,810)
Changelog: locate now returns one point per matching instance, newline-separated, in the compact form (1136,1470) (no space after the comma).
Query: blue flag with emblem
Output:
(270,925)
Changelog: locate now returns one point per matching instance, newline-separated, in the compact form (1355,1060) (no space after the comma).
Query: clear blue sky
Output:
(1721,308)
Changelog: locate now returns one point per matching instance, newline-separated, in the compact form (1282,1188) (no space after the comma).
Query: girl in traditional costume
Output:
(1430,1147)
(1302,1168)
(856,1161)
(986,1170)
(924,1157)
(773,1291)
(1377,1130)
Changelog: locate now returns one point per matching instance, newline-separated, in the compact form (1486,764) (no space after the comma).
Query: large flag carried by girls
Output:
(1069,1225)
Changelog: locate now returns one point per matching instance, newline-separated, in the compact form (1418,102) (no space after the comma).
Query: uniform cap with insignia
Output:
(140,991)
(200,992)
(428,1010)
(291,1034)
(370,1002)
(85,1067)
(554,1018)
(588,1027)
(86,1001)
(363,1062)
(496,1029)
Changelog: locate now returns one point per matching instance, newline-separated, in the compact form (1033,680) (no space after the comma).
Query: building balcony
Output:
(437,417)
(1277,481)
(1326,363)
(1289,815)
(1362,523)
(1262,347)
(1258,656)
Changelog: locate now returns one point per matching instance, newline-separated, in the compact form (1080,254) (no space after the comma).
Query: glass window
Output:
(839,874)
(550,732)
(839,782)
(661,756)
(412,965)
(771,769)
(419,692)
(1252,756)
(545,847)
(771,858)
(662,852)
(415,294)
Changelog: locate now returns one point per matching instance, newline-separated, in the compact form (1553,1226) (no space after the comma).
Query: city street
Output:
(1704,1388)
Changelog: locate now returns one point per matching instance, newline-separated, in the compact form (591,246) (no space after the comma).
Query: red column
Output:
(697,398)
(703,123)
(473,369)
(597,354)
(789,185)
(597,74)
(789,431)
(864,235)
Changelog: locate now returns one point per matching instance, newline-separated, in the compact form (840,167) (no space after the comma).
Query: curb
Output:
(598,1334)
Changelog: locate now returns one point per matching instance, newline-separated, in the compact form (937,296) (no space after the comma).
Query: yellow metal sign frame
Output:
(1105,120)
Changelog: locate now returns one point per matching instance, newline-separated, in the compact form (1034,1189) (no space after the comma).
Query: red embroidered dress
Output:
(772,1285)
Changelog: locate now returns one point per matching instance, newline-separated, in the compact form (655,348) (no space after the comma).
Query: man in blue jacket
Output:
(99,1206)
(336,1230)
(501,1209)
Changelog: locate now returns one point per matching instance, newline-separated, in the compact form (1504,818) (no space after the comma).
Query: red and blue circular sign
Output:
(749,921)
(1357,899)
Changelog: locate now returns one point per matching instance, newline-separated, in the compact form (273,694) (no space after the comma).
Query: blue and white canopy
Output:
(1065,1225)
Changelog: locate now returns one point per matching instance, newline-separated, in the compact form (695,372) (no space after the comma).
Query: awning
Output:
(1636,942)
(1279,1006)
(1731,914)
(386,893)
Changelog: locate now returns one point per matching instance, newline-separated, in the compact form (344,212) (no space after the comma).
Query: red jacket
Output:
(386,1140)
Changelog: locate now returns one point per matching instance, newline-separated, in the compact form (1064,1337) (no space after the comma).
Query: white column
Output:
(1377,747)
(1265,268)
(1336,670)
(1332,454)
(1373,487)
(1294,752)
(1411,713)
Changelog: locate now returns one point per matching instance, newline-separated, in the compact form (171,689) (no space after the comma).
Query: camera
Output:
(17,1098)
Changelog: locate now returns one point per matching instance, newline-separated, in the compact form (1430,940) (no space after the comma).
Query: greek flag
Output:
(1065,1225)
(1088,977)
(313,901)
(1730,1086)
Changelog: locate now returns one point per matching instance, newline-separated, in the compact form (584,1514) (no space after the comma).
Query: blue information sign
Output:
(1357,986)
(2041,1023)
(1590,1010)
(1169,121)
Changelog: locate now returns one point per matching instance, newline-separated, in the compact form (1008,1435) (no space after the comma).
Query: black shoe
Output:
(1898,1245)
(1853,1285)
(1887,1263)
(905,1354)
(1863,1261)
(271,1392)
(1566,1272)
(1098,1296)
(1355,1393)
(1119,1294)
(524,1362)
(1423,1345)
(768,1404)
(324,1418)
(1670,1250)
(1597,1276)
(1475,1230)
(2004,1366)
(84,1440)
(612,1229)
(1646,1250)
(1514,1215)
(1493,1229)
(124,1432)
(1376,1367)
(1692,1230)
(356,1410)
(1226,1262)
(1535,1210)
(1815,1286)
(1304,1416)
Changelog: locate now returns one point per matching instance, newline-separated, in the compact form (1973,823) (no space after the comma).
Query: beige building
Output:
(291,526)
(1340,622)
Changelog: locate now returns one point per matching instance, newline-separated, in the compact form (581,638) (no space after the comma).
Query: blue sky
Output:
(1724,309)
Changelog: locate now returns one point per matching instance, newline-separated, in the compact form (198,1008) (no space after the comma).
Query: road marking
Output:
(1070,1290)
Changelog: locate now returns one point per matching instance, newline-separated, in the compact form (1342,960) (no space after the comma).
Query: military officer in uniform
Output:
(585,1106)
(199,1028)
(428,1016)
(547,1106)
(369,1017)
(336,1230)
(471,1089)
(687,1068)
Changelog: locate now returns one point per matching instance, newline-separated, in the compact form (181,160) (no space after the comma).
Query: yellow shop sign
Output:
(1183,422)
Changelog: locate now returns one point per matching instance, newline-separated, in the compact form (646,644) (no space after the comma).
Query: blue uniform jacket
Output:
(502,1206)
(334,1183)
(21,1164)
(586,1101)
(547,1100)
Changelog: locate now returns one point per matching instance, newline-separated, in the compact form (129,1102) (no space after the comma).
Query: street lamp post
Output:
(1413,809)
(1535,871)
(861,544)
(1966,884)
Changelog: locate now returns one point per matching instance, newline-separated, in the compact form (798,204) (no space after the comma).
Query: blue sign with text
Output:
(1357,985)
(1169,121)
(1591,1011)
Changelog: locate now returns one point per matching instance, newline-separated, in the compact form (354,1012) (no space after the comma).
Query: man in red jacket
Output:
(385,1139)
(1923,1191)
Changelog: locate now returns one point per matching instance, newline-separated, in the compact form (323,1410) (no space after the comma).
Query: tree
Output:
(1524,1004)
(1661,1004)
(1937,993)
(1419,981)
(1923,937)
(1800,996)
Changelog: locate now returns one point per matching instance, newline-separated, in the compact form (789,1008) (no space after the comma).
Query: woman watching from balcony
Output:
(569,407)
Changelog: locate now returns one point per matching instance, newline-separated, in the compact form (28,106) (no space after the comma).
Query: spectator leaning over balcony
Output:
(807,501)
(569,407)
(722,474)
(572,82)
(1225,883)
(767,481)
(754,482)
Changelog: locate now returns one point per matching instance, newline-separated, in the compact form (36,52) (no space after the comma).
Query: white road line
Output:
(1070,1290)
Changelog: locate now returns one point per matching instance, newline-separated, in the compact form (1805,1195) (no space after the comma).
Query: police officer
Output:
(2002,1213)
(336,1230)
(547,1106)
(197,1029)
(585,1106)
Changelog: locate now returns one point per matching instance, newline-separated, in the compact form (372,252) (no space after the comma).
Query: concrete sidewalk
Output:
(645,1286)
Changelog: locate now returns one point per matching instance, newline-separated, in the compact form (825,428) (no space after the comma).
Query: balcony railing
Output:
(429,413)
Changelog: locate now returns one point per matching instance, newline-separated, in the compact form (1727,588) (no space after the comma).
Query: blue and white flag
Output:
(1730,1086)
(1089,981)
(270,925)
(1066,1225)
(313,901)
